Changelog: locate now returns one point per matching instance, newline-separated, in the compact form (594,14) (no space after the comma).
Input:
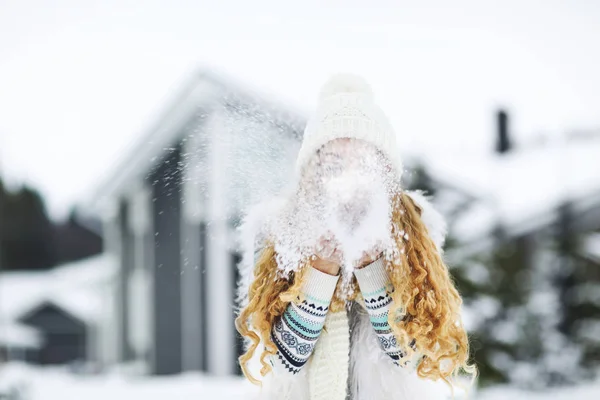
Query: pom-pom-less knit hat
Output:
(346,109)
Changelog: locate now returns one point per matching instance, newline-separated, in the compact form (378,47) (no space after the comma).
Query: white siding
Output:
(219,272)
(106,335)
(194,203)
(140,334)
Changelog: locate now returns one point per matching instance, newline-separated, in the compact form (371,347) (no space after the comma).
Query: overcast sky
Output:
(81,80)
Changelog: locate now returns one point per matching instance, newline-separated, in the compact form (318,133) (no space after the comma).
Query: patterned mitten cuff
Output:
(296,332)
(373,279)
(375,287)
(319,285)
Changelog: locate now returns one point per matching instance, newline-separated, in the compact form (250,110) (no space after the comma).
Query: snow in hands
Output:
(341,209)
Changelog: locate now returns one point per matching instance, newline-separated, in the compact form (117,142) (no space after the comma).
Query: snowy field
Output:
(59,385)
(36,384)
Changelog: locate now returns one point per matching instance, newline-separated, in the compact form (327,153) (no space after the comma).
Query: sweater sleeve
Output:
(295,333)
(375,287)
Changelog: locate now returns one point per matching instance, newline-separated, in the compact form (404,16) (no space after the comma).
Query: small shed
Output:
(52,317)
(65,335)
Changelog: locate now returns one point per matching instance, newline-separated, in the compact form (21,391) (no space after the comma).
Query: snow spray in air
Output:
(342,200)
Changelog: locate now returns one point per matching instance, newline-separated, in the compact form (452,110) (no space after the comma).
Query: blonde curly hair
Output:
(424,294)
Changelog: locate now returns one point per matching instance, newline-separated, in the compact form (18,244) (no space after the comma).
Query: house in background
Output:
(65,334)
(170,211)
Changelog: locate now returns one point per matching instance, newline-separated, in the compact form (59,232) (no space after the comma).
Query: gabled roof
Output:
(203,91)
(56,305)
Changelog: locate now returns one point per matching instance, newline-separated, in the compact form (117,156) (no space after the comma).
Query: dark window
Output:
(239,341)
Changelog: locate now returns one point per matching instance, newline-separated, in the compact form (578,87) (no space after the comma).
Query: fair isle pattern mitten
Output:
(296,332)
(374,284)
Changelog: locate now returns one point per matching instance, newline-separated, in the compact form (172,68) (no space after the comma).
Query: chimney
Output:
(503,144)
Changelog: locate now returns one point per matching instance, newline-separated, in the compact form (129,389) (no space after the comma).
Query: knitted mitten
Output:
(375,288)
(299,328)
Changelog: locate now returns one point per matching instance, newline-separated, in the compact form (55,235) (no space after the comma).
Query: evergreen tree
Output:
(582,316)
(498,287)
(473,287)
(27,234)
(577,279)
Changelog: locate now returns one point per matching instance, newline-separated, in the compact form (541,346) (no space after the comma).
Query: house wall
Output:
(104,351)
(193,297)
(194,262)
(196,189)
(140,301)
(166,186)
(127,253)
(219,274)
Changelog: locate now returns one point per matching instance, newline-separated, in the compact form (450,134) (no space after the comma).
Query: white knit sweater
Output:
(328,373)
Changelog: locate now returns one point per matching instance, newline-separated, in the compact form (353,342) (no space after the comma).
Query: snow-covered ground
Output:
(58,385)
(585,392)
(190,387)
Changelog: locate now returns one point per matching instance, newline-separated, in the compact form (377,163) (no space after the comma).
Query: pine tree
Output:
(495,286)
(532,302)
(27,234)
(577,279)
(475,287)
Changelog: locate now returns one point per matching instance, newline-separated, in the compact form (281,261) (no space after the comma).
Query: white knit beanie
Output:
(346,109)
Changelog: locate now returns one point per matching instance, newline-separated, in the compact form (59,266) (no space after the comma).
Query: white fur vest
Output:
(370,373)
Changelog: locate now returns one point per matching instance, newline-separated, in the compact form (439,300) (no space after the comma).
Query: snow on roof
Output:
(17,335)
(523,189)
(75,287)
(202,92)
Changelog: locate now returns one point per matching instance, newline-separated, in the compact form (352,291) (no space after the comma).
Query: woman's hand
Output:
(368,257)
(325,266)
(327,257)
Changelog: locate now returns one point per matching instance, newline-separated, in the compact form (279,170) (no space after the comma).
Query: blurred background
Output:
(133,135)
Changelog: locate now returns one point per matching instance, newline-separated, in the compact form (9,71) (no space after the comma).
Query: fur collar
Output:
(254,230)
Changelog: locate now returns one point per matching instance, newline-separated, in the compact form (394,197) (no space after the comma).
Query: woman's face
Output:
(339,156)
(343,196)
(341,177)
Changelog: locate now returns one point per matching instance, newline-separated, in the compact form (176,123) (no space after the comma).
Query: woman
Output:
(325,324)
